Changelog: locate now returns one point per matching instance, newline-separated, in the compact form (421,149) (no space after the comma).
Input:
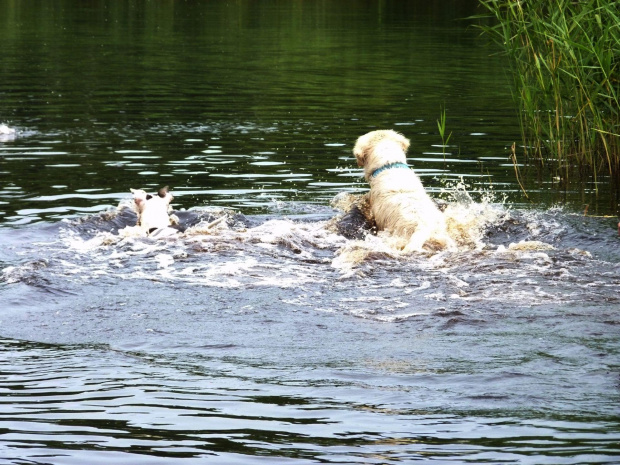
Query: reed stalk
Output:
(441,126)
(565,60)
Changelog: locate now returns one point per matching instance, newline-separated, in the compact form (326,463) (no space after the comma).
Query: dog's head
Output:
(366,152)
(140,197)
(152,210)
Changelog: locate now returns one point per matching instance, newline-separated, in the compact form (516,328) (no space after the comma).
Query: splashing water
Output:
(500,252)
(467,223)
(7,133)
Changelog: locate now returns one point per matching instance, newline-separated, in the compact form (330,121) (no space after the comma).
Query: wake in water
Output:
(350,237)
(517,257)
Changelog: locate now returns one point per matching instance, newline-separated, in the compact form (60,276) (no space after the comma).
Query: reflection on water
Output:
(238,105)
(270,337)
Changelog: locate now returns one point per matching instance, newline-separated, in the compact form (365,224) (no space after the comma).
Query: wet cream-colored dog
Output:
(397,199)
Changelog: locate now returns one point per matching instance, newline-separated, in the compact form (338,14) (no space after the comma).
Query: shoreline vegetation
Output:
(565,61)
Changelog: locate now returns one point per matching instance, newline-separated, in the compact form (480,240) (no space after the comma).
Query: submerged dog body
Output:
(398,201)
(153,211)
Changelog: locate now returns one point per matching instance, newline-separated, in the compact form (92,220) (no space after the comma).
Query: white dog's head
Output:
(153,210)
(378,148)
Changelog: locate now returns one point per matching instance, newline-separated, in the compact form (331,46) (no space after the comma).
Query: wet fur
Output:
(153,210)
(397,200)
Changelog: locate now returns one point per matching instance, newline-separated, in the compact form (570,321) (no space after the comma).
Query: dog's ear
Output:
(403,141)
(165,194)
(360,150)
(360,156)
(138,192)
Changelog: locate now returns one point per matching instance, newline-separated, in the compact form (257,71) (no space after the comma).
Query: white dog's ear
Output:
(361,149)
(403,141)
(360,156)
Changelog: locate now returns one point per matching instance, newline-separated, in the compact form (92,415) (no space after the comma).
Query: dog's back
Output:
(400,204)
(152,210)
(398,201)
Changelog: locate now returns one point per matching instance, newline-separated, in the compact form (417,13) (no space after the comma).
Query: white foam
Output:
(6,130)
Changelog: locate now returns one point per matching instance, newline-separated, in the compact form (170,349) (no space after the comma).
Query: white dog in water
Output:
(6,133)
(153,211)
(397,199)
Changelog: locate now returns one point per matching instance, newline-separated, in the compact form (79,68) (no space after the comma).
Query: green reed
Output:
(565,59)
(441,126)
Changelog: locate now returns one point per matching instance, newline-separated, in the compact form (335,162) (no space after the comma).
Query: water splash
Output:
(467,226)
(7,133)
(521,257)
(468,221)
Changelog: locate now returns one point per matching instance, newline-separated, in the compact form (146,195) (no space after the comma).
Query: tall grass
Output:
(565,59)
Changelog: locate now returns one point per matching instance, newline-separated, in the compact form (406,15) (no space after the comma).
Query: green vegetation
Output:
(565,59)
(441,126)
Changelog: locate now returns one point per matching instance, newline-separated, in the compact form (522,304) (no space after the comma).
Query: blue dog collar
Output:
(387,167)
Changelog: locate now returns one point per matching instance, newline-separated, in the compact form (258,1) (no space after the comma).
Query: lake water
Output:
(271,338)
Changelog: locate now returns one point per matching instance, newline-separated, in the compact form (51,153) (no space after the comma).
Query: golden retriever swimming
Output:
(397,199)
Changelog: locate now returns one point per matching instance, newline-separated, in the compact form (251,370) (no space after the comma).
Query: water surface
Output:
(274,339)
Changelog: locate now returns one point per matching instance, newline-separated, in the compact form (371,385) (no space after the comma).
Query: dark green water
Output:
(236,102)
(257,344)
